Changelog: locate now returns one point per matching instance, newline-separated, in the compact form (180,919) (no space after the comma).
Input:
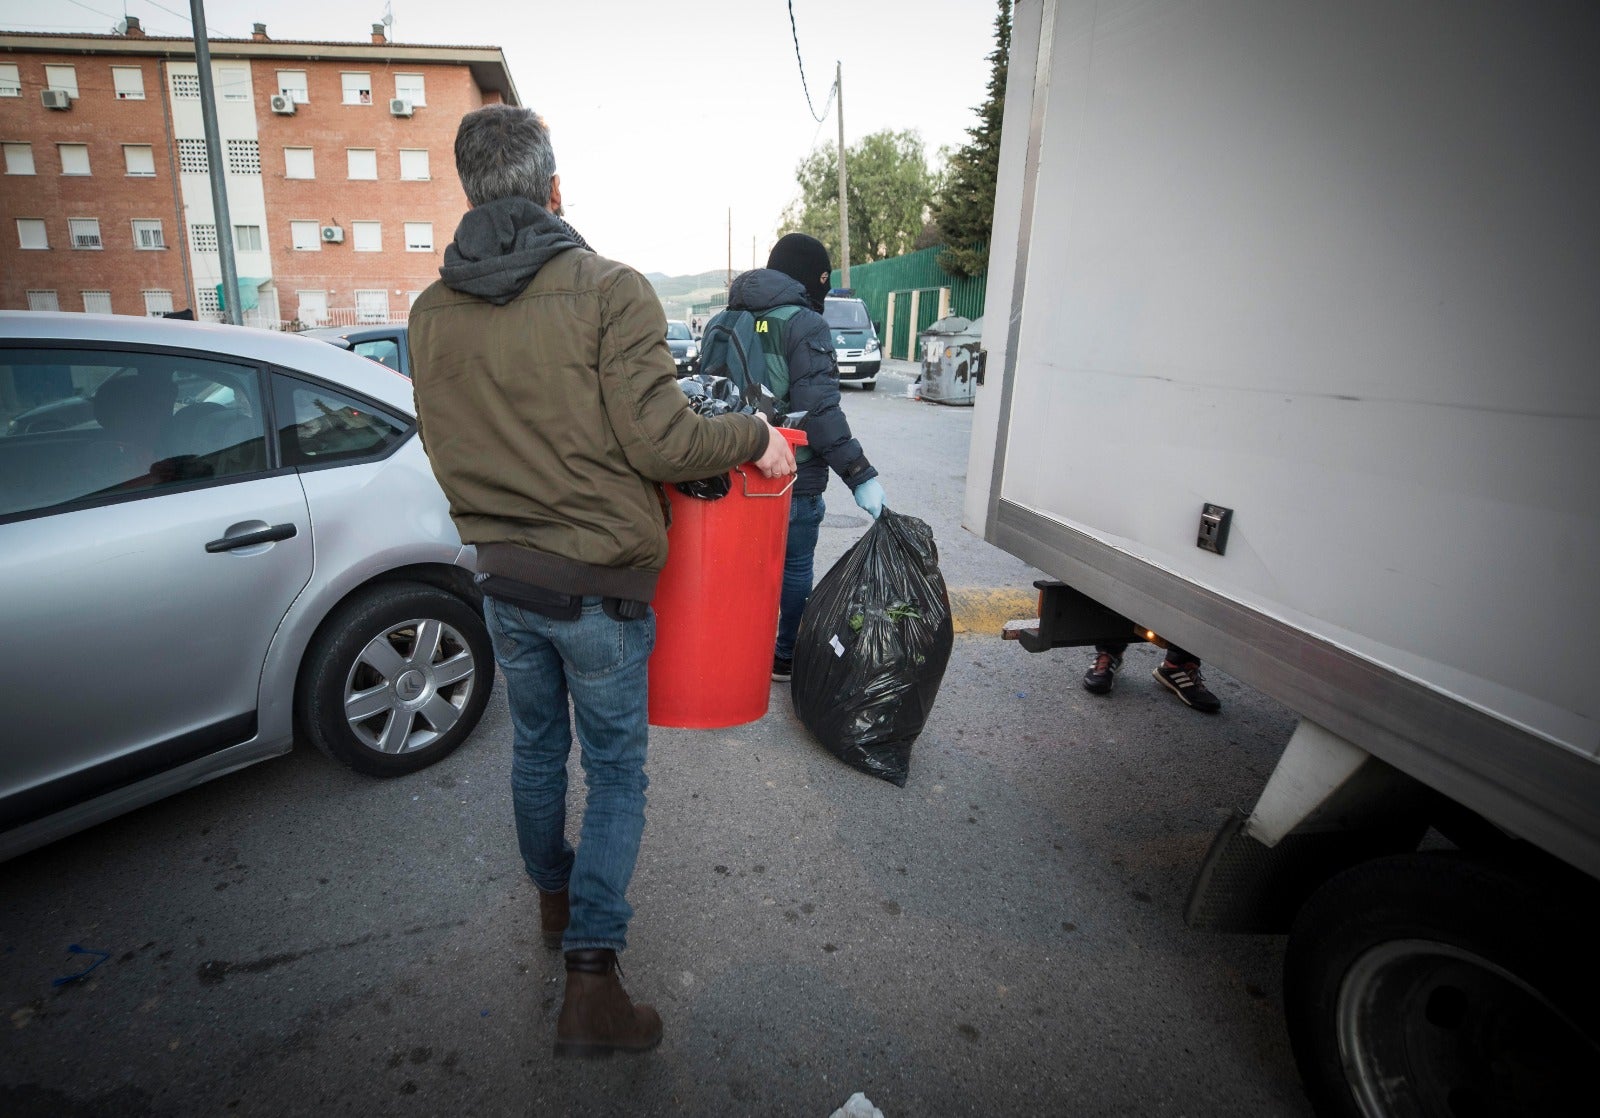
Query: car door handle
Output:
(250,539)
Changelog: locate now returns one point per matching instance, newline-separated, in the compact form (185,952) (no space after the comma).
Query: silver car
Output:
(242,542)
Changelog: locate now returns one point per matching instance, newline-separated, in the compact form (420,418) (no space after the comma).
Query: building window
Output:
(147,234)
(357,88)
(410,88)
(313,307)
(247,238)
(31,233)
(419,236)
(305,236)
(367,236)
(192,157)
(62,77)
(234,83)
(244,157)
(74,158)
(129,84)
(157,303)
(414,164)
(206,304)
(292,83)
(186,87)
(19,159)
(97,302)
(85,232)
(203,238)
(372,306)
(411,298)
(363,162)
(298,164)
(140,159)
(47,301)
(10,80)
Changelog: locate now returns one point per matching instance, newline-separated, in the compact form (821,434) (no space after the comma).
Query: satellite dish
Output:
(120,27)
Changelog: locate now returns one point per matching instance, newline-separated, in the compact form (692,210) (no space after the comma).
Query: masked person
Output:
(796,276)
(548,404)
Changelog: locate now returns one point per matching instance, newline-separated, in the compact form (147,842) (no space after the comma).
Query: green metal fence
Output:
(913,278)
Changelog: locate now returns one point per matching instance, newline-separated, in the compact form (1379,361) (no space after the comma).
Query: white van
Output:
(855,340)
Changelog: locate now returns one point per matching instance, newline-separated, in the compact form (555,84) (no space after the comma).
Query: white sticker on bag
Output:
(833,642)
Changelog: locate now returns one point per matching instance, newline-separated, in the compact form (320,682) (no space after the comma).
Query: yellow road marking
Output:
(985,610)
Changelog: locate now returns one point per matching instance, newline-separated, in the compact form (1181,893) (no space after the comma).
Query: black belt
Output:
(555,604)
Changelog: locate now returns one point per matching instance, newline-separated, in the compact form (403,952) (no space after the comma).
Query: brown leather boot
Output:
(597,1016)
(553,915)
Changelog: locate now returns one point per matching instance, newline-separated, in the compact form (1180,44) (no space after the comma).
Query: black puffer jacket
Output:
(813,379)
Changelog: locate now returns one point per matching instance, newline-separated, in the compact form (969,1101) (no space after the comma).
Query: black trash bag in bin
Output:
(873,645)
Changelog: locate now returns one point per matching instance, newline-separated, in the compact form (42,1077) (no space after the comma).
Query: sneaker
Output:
(1184,681)
(1102,674)
(782,668)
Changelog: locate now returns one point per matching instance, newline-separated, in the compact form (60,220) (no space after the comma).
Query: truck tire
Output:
(396,678)
(1439,985)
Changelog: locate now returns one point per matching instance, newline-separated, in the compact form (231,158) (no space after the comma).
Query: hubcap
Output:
(1429,1030)
(409,686)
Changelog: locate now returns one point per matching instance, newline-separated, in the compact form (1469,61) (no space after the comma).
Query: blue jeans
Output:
(805,518)
(601,664)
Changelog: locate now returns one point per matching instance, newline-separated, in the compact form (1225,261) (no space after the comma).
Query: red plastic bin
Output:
(716,602)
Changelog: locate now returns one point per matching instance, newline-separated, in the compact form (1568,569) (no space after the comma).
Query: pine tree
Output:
(964,210)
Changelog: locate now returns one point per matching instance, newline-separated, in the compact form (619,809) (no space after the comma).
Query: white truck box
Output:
(1334,267)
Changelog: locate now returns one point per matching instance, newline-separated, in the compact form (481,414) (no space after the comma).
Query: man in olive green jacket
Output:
(548,404)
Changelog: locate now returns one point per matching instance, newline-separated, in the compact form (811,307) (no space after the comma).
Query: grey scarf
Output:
(501,245)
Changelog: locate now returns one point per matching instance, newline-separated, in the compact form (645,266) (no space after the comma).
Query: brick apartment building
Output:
(339,167)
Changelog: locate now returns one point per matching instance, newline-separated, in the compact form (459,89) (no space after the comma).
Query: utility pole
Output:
(219,183)
(844,209)
(730,249)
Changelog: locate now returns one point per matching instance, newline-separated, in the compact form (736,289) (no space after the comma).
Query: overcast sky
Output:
(663,115)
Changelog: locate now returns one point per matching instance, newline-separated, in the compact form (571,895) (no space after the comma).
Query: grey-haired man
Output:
(548,404)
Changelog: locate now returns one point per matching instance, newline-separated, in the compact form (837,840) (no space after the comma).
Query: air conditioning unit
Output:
(55,98)
(333,234)
(283,103)
(399,106)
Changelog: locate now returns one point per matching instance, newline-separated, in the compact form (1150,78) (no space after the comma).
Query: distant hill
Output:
(675,287)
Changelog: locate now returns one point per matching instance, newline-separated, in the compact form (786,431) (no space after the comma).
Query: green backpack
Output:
(749,349)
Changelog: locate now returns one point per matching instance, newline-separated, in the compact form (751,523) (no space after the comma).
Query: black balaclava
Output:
(804,259)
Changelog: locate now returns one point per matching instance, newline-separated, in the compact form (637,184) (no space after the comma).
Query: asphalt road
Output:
(1003,936)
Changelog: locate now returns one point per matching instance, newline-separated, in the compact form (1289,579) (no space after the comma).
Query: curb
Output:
(985,610)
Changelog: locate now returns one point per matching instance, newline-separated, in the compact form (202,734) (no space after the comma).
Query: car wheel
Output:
(396,678)
(1437,985)
(868,385)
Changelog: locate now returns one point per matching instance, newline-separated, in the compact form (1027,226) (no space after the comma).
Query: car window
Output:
(317,424)
(678,332)
(89,424)
(848,314)
(385,351)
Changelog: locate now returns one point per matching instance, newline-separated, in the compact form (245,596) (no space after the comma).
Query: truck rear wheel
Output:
(1438,986)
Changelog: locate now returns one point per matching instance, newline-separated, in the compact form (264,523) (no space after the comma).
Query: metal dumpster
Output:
(951,360)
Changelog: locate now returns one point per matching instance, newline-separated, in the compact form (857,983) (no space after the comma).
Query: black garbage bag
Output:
(873,645)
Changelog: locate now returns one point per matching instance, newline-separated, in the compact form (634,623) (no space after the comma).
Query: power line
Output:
(96,11)
(823,119)
(179,15)
(801,63)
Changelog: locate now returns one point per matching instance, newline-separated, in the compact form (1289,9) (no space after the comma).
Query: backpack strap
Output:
(772,330)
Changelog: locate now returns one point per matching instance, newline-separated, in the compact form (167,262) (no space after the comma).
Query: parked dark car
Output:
(384,344)
(685,350)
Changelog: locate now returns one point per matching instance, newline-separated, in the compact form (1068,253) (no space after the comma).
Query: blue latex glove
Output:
(869,496)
